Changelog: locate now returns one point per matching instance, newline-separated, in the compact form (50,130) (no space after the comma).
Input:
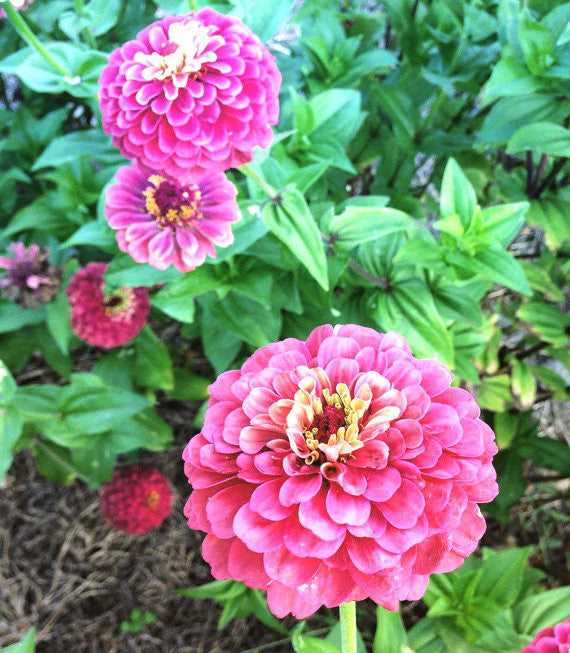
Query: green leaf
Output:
(337,111)
(95,233)
(85,67)
(10,431)
(291,221)
(545,452)
(424,251)
(58,315)
(495,393)
(390,632)
(14,317)
(510,77)
(116,368)
(246,232)
(511,113)
(123,271)
(546,320)
(504,221)
(303,644)
(220,345)
(494,264)
(264,19)
(26,645)
(91,143)
(247,319)
(457,194)
(145,429)
(176,299)
(8,385)
(153,367)
(218,590)
(501,576)
(95,462)
(552,216)
(541,611)
(536,43)
(356,225)
(188,386)
(524,384)
(551,380)
(539,279)
(409,309)
(456,303)
(542,138)
(257,603)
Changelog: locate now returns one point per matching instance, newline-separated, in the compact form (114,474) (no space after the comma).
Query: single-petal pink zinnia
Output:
(165,222)
(192,94)
(551,640)
(103,320)
(339,468)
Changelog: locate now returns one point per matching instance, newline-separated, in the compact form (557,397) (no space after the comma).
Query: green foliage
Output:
(26,645)
(137,621)
(237,600)
(488,605)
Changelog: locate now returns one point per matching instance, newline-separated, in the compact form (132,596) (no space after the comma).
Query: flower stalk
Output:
(348,627)
(265,187)
(32,40)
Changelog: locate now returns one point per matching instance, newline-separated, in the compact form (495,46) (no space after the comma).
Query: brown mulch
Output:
(65,571)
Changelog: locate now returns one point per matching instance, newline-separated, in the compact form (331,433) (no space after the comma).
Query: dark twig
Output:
(556,168)
(529,173)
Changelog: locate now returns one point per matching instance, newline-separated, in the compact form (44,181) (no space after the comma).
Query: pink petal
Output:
(345,508)
(288,569)
(257,533)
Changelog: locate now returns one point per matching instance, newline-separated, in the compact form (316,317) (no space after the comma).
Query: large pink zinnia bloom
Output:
(191,94)
(105,320)
(165,222)
(551,640)
(337,469)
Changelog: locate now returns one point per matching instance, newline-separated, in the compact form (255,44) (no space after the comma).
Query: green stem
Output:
(80,8)
(265,187)
(348,627)
(431,115)
(194,6)
(31,39)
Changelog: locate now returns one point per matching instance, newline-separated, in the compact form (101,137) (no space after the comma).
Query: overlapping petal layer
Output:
(105,320)
(192,94)
(339,468)
(136,500)
(551,640)
(164,222)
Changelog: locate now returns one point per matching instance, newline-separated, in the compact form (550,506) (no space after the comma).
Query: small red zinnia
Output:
(136,500)
(105,320)
(165,222)
(338,468)
(192,94)
(551,640)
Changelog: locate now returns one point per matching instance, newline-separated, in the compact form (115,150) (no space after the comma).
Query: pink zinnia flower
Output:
(166,222)
(105,320)
(192,94)
(136,500)
(551,640)
(337,469)
(31,280)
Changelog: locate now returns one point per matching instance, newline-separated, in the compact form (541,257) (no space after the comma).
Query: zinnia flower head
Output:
(31,280)
(165,222)
(551,640)
(191,94)
(105,320)
(337,469)
(136,500)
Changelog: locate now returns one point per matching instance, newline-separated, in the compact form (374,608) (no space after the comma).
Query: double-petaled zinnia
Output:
(191,95)
(105,320)
(338,468)
(136,500)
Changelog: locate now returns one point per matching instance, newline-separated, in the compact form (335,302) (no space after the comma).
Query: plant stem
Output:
(265,187)
(31,39)
(80,8)
(194,5)
(377,281)
(348,627)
